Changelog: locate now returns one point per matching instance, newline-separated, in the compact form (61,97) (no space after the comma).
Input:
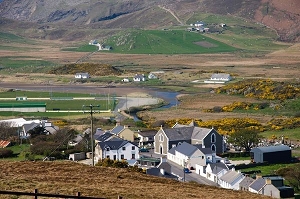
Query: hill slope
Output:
(284,17)
(70,178)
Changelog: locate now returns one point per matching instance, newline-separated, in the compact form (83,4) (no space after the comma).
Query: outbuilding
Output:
(271,154)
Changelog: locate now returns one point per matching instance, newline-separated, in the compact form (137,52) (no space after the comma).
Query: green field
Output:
(83,48)
(165,42)
(9,37)
(22,63)
(31,94)
(291,134)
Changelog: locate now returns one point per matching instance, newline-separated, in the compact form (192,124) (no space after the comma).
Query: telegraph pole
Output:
(91,107)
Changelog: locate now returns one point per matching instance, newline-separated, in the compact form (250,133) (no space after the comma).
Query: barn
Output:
(271,154)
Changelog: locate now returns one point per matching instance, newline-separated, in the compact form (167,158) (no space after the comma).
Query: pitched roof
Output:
(149,133)
(231,176)
(172,151)
(186,149)
(246,182)
(220,76)
(103,137)
(268,149)
(217,167)
(181,133)
(28,127)
(204,150)
(258,184)
(200,133)
(113,145)
(117,129)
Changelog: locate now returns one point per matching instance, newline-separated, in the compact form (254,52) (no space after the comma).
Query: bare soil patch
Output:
(205,44)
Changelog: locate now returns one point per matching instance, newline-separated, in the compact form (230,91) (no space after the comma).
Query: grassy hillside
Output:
(70,178)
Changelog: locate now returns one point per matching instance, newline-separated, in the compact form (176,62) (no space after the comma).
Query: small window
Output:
(133,147)
(107,149)
(107,157)
(161,138)
(202,157)
(122,157)
(124,148)
(213,138)
(132,156)
(115,157)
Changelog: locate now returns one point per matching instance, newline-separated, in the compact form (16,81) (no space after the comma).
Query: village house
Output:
(231,180)
(189,156)
(167,138)
(116,150)
(123,132)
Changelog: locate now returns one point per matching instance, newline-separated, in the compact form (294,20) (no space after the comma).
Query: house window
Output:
(133,148)
(132,156)
(107,156)
(161,138)
(107,149)
(122,157)
(213,148)
(213,138)
(202,157)
(115,157)
(123,148)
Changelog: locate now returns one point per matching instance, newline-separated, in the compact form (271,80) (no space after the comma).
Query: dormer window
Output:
(107,149)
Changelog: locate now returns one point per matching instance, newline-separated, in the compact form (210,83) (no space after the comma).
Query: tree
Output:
(7,132)
(36,131)
(245,138)
(292,175)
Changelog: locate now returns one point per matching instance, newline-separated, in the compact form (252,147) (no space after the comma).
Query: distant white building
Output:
(82,76)
(219,78)
(139,78)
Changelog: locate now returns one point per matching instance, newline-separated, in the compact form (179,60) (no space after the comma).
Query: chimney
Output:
(258,176)
(268,181)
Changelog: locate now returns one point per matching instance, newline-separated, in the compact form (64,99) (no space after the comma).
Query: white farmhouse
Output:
(82,76)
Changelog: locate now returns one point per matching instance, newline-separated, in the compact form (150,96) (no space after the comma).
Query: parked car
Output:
(144,150)
(186,170)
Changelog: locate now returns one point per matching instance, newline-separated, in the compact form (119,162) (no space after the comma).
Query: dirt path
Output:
(172,13)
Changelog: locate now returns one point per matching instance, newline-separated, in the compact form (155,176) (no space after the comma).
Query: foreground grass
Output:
(69,178)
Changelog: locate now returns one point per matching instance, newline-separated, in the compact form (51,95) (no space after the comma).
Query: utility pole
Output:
(91,107)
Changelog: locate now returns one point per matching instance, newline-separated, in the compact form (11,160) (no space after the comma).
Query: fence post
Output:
(78,194)
(120,197)
(35,193)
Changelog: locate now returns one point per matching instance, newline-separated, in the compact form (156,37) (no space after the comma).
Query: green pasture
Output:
(82,48)
(267,169)
(165,42)
(21,62)
(9,37)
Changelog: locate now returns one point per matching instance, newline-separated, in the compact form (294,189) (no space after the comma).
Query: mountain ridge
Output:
(283,17)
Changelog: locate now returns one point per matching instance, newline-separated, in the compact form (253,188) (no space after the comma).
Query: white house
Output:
(231,180)
(139,78)
(221,77)
(82,76)
(116,150)
(152,76)
(188,155)
(213,171)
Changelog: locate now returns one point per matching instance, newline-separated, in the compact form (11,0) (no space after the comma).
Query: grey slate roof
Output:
(246,182)
(269,149)
(186,148)
(200,133)
(258,184)
(172,150)
(28,127)
(230,176)
(217,167)
(103,137)
(116,130)
(203,150)
(181,133)
(149,133)
(112,145)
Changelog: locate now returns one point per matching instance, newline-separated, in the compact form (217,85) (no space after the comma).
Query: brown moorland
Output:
(68,178)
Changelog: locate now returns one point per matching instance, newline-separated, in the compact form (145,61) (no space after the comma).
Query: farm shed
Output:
(271,154)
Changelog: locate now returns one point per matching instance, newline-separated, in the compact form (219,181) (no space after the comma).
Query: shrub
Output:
(6,153)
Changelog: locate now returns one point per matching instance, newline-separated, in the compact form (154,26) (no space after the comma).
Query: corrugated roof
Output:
(269,149)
